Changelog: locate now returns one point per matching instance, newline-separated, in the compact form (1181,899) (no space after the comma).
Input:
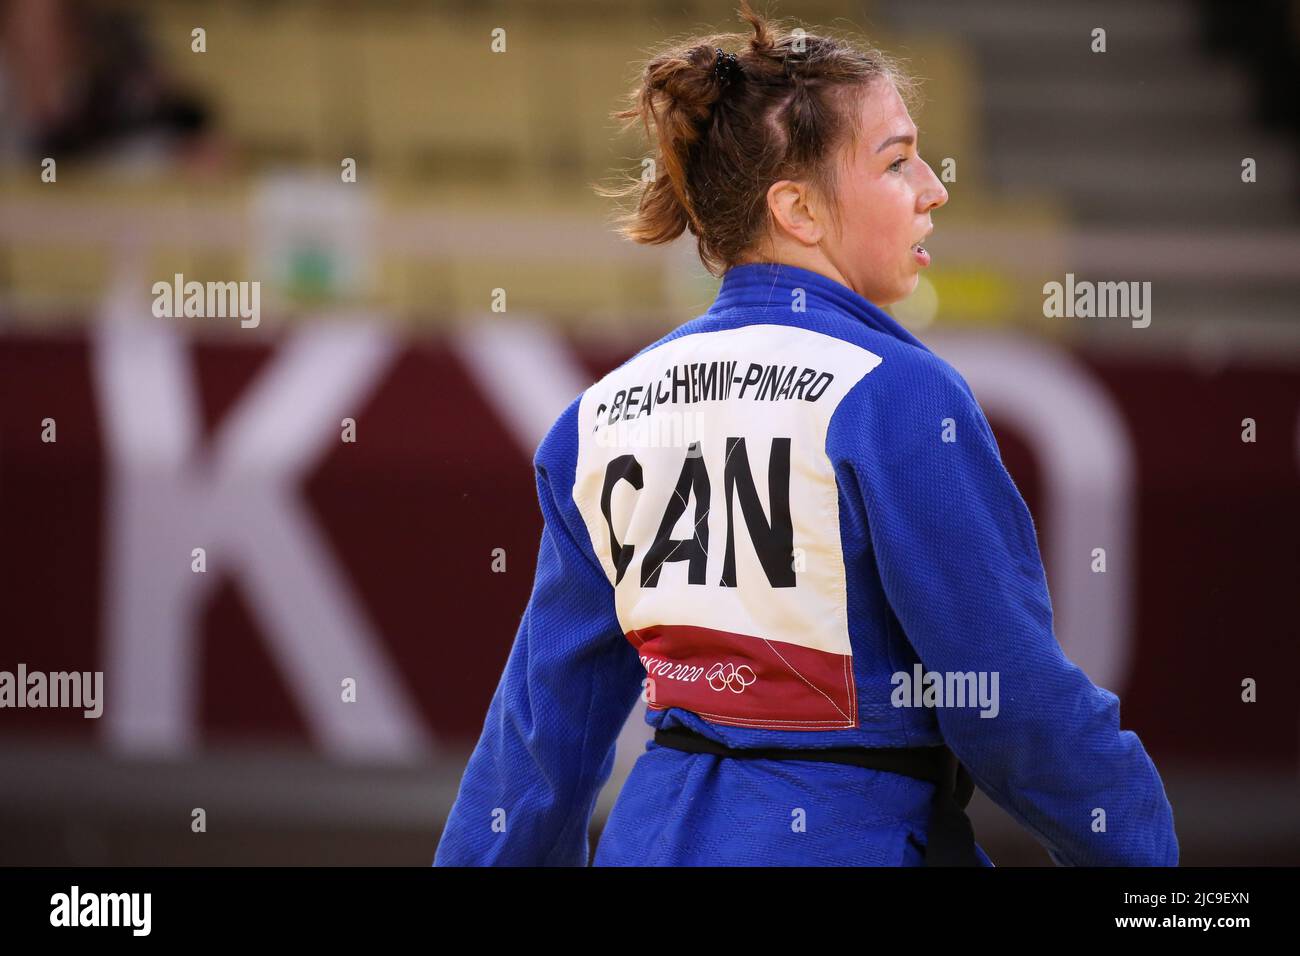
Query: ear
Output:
(794,211)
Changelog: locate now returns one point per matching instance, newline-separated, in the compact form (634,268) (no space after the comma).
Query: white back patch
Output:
(704,483)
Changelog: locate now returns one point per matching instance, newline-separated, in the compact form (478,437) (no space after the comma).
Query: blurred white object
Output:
(313,238)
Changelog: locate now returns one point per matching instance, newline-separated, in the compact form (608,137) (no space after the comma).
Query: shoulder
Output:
(912,396)
(558,448)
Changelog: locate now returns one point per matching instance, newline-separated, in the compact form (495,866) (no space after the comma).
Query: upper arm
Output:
(959,563)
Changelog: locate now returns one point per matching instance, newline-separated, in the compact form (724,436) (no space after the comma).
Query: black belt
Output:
(951,840)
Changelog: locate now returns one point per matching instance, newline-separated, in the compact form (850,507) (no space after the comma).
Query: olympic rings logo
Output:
(730,677)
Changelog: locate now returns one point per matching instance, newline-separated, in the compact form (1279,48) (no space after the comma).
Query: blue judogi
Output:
(941,568)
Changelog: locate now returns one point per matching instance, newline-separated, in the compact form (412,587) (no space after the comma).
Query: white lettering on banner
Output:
(526,372)
(670,670)
(239,499)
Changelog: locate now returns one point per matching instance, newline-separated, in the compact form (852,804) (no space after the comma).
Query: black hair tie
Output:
(726,67)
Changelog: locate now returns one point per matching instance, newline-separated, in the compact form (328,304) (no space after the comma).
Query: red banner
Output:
(199,521)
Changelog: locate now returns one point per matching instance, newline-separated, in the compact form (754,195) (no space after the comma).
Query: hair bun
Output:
(726,67)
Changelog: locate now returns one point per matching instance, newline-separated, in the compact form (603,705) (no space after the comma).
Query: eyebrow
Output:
(909,139)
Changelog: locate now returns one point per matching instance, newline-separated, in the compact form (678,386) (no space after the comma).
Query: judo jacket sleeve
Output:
(959,564)
(569,684)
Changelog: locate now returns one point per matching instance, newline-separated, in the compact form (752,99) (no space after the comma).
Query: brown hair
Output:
(723,136)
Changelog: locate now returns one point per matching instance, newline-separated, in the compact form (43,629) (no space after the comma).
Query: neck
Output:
(811,258)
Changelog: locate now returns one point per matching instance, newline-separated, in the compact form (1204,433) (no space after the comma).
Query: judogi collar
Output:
(772,285)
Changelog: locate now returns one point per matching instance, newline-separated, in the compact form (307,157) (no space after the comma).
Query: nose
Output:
(934,194)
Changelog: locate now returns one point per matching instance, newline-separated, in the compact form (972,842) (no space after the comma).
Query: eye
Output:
(897,165)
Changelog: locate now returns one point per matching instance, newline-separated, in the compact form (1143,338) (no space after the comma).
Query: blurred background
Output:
(410,185)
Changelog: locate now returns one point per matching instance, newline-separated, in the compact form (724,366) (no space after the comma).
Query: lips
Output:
(919,251)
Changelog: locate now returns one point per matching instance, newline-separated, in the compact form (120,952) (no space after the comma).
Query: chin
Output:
(894,296)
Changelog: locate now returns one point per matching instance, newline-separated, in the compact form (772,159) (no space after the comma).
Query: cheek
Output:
(873,226)
(879,223)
